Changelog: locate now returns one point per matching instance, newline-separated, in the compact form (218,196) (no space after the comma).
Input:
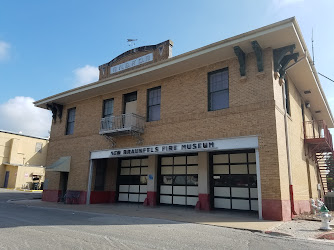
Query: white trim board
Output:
(249,142)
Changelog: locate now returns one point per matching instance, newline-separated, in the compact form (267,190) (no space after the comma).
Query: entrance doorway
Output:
(5,185)
(130,107)
(63,184)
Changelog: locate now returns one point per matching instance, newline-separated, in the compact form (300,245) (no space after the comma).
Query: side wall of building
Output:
(20,150)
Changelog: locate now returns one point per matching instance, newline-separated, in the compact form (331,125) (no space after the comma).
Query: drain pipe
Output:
(293,212)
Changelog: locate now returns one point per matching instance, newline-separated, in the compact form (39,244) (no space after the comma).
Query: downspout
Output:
(293,212)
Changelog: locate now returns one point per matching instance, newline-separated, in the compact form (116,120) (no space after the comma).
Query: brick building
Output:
(238,124)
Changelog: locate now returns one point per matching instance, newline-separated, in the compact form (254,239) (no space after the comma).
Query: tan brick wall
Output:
(304,176)
(184,117)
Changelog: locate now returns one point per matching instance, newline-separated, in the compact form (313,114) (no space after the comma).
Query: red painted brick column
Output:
(203,202)
(151,199)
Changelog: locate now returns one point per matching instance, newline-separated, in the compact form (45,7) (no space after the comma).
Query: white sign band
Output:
(132,63)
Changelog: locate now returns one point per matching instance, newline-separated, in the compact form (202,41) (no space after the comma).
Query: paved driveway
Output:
(26,227)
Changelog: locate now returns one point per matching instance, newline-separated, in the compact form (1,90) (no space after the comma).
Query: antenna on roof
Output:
(312,48)
(132,42)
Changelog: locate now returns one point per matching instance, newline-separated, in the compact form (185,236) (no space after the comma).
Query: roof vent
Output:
(307,92)
(318,111)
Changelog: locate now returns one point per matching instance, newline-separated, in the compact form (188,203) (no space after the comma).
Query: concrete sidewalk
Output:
(231,219)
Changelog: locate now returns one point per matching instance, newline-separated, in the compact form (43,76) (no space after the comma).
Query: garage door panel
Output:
(123,188)
(222,203)
(222,191)
(253,192)
(192,190)
(252,168)
(143,188)
(192,201)
(221,169)
(166,189)
(144,171)
(240,204)
(166,199)
(221,158)
(142,197)
(134,188)
(239,169)
(240,192)
(179,170)
(192,169)
(251,157)
(125,171)
(254,205)
(238,158)
(134,197)
(167,170)
(179,190)
(123,197)
(179,200)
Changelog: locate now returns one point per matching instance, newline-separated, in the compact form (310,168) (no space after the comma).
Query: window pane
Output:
(192,180)
(154,97)
(108,107)
(179,180)
(239,180)
(153,104)
(218,81)
(167,180)
(219,100)
(71,115)
(70,128)
(154,113)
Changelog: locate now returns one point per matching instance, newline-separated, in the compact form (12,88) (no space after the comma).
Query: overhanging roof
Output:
(276,35)
(63,164)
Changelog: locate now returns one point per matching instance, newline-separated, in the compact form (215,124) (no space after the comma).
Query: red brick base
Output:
(203,202)
(151,199)
(302,206)
(279,210)
(51,195)
(102,197)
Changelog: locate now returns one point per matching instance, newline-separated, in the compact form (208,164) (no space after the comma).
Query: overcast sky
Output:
(47,47)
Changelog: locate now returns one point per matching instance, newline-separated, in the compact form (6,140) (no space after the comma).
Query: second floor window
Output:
(108,107)
(70,121)
(218,89)
(153,104)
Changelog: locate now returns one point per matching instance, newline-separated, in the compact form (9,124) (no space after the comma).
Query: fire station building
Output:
(235,125)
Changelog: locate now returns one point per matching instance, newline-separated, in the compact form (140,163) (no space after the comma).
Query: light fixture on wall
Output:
(307,105)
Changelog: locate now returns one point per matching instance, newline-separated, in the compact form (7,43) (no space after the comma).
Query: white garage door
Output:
(132,180)
(234,183)
(179,180)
